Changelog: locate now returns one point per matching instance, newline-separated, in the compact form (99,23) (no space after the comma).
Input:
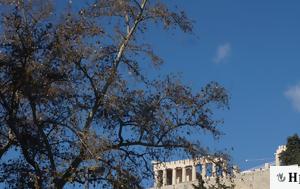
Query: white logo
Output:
(285,177)
(281,178)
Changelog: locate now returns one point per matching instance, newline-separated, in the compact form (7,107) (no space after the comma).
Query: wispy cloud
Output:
(223,52)
(293,93)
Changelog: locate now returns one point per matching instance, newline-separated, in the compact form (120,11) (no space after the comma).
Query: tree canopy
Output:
(291,155)
(68,105)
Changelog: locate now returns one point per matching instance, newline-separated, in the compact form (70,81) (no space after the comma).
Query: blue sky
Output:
(253,49)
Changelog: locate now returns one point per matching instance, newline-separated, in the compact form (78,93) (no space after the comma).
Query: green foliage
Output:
(292,154)
(200,184)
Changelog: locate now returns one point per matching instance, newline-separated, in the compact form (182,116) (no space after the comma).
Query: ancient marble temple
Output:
(183,174)
(187,171)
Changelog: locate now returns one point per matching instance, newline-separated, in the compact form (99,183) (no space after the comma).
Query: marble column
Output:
(183,174)
(224,170)
(203,173)
(156,179)
(193,172)
(174,176)
(235,170)
(164,177)
(214,170)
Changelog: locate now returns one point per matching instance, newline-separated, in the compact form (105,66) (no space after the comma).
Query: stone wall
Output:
(255,179)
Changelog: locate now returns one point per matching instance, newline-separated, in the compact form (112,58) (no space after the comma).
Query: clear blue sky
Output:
(253,49)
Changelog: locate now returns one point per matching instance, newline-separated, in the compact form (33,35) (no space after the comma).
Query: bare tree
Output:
(74,99)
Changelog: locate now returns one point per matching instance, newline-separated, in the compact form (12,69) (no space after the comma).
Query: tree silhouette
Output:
(291,155)
(75,99)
